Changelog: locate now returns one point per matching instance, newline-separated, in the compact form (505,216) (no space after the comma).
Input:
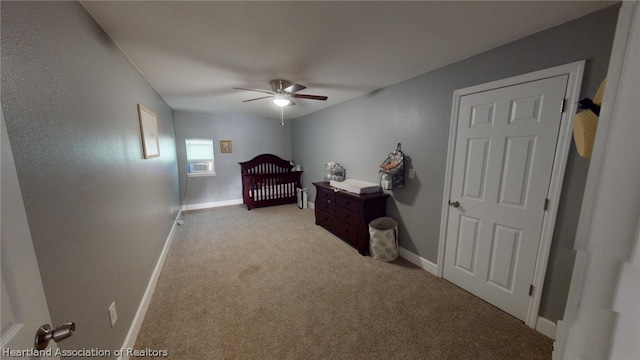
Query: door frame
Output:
(574,71)
(24,292)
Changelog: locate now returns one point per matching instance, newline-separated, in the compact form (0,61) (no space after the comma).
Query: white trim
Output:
(572,97)
(311,205)
(546,327)
(421,262)
(560,342)
(212,204)
(448,177)
(574,70)
(132,335)
(583,264)
(201,174)
(616,61)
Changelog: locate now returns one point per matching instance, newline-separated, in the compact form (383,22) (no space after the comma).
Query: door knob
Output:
(46,334)
(454,204)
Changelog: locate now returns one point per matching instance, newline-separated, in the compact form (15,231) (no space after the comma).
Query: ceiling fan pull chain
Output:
(282,116)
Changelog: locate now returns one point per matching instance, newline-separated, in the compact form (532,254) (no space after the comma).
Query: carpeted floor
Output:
(270,284)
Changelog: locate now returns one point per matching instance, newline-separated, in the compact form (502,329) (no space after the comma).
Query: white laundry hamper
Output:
(383,239)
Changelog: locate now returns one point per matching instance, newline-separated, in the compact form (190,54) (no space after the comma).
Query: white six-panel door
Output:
(505,146)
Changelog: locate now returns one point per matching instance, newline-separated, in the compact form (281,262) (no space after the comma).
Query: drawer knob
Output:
(329,201)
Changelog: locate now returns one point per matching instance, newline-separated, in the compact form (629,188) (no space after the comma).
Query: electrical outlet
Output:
(113,314)
(412,173)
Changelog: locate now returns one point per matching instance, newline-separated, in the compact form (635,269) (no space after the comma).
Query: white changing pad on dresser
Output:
(356,186)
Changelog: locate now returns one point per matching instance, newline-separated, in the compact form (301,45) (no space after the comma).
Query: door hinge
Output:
(546,204)
(530,289)
(562,106)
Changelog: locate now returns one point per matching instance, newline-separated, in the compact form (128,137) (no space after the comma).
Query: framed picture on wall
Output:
(225,146)
(149,131)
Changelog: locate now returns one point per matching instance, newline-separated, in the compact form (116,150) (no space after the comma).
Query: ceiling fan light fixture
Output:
(281,100)
(282,93)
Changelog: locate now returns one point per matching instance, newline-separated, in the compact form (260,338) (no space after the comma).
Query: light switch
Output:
(113,314)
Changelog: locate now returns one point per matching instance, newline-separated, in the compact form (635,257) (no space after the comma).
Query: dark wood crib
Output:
(268,180)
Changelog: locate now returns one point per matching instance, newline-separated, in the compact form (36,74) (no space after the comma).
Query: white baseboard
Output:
(212,204)
(311,205)
(421,262)
(546,327)
(132,335)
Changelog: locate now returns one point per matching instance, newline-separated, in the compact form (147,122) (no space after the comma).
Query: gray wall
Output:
(99,214)
(417,113)
(250,136)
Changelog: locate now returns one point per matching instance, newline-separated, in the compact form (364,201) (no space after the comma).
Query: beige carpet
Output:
(270,284)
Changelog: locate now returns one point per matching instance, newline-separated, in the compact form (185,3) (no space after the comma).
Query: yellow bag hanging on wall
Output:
(585,122)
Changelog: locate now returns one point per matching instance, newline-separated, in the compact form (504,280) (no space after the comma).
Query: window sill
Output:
(201,174)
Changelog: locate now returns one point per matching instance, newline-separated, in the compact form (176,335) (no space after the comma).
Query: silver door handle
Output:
(46,334)
(454,204)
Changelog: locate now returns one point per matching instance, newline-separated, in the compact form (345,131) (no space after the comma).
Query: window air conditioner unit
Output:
(200,167)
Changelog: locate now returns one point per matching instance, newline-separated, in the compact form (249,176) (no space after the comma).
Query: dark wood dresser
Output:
(347,215)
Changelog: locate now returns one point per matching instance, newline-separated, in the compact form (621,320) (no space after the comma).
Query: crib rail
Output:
(272,186)
(265,164)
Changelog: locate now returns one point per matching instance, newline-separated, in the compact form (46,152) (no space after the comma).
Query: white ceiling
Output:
(194,53)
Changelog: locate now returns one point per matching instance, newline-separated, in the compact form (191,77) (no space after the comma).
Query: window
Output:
(200,157)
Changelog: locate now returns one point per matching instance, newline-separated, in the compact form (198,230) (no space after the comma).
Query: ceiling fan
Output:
(283,92)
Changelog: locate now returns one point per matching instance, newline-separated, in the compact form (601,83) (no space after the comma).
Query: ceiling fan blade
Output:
(263,97)
(293,88)
(258,90)
(291,102)
(310,97)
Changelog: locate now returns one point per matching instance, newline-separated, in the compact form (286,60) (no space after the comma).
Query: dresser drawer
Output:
(326,195)
(348,202)
(327,206)
(341,229)
(346,215)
